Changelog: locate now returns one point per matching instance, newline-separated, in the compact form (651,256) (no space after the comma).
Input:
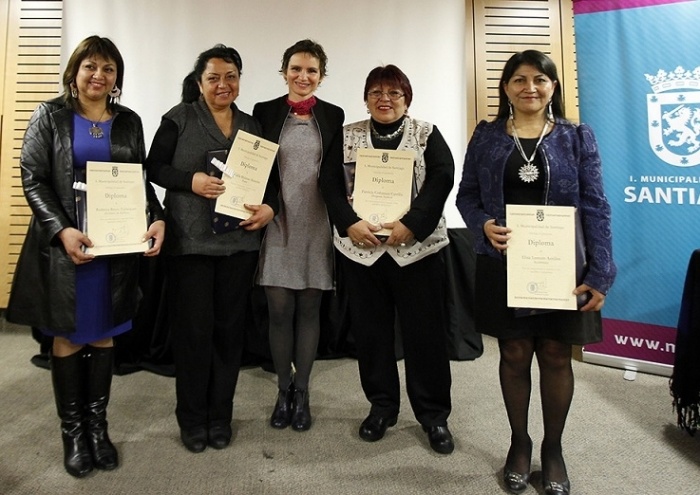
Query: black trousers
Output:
(207,301)
(416,294)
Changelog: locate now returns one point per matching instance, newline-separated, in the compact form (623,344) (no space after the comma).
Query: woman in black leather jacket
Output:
(82,301)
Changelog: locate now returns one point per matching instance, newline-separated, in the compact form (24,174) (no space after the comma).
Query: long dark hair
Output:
(190,86)
(543,64)
(90,47)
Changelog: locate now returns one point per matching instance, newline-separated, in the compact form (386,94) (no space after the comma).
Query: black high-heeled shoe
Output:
(555,487)
(517,482)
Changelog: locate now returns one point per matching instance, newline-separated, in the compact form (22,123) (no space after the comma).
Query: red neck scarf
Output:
(302,107)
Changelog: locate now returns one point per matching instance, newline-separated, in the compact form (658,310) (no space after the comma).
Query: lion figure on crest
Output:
(684,122)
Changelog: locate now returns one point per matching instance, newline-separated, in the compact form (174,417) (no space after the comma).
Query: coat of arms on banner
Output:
(674,116)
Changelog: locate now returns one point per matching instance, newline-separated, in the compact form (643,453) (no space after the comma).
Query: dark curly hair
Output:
(190,88)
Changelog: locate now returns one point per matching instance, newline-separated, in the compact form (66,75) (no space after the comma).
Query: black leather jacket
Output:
(43,289)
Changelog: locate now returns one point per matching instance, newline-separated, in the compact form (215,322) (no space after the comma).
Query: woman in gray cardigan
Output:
(209,270)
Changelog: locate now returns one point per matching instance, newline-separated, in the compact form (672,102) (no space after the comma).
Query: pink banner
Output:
(640,341)
(590,6)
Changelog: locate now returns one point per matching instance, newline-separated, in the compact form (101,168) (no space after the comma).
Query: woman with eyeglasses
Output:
(400,274)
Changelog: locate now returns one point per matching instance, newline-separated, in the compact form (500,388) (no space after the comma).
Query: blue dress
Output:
(93,288)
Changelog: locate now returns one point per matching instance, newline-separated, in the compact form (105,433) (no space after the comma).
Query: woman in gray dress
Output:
(296,260)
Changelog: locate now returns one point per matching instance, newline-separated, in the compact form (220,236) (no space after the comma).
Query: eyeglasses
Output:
(393,94)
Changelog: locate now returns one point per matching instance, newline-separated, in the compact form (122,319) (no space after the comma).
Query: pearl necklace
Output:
(387,137)
(528,171)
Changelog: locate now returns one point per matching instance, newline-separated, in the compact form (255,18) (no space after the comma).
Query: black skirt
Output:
(494,317)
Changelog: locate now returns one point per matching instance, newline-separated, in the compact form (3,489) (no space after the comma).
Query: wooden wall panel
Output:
(502,28)
(4,15)
(568,70)
(31,75)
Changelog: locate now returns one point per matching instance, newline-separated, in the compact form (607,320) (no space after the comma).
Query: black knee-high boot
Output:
(99,363)
(67,375)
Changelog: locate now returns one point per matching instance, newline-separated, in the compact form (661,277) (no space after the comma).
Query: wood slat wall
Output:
(4,13)
(502,28)
(31,75)
(568,70)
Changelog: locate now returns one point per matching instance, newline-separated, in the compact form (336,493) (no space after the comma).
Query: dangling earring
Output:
(73,91)
(114,93)
(510,110)
(550,114)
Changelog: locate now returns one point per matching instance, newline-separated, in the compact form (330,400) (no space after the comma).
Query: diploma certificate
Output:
(383,180)
(250,161)
(116,208)
(541,256)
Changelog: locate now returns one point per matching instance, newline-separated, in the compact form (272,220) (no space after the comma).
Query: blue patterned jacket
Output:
(573,178)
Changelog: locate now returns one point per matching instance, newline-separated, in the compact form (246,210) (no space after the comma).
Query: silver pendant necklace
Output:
(528,171)
(96,131)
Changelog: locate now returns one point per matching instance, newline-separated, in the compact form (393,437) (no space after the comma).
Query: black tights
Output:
(292,310)
(556,390)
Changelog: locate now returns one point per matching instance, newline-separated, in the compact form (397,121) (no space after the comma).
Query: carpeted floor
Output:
(621,437)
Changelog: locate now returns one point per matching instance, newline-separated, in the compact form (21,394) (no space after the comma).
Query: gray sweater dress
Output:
(297,249)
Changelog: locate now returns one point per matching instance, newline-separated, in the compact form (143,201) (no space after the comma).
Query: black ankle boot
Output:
(301,414)
(67,376)
(282,413)
(99,363)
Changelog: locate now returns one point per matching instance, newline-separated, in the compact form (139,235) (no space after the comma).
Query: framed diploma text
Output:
(383,184)
(115,208)
(541,256)
(250,161)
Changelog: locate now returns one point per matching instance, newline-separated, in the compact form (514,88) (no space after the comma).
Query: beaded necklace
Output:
(302,107)
(387,137)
